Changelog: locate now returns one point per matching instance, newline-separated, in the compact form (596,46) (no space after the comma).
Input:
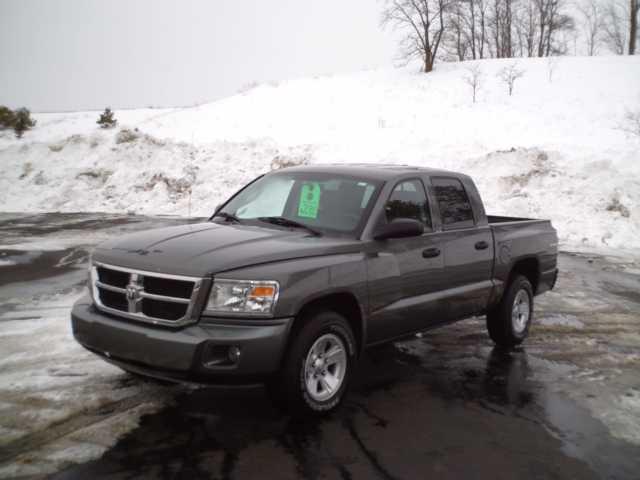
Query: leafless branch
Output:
(473,77)
(509,75)
(592,22)
(424,22)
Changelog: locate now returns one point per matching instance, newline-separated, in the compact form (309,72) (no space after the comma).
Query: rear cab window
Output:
(453,203)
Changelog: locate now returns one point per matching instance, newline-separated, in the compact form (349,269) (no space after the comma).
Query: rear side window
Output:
(409,200)
(455,208)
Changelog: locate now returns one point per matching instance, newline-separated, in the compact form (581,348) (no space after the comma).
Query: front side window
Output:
(455,208)
(322,201)
(409,200)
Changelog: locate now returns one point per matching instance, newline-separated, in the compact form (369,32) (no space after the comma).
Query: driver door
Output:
(404,273)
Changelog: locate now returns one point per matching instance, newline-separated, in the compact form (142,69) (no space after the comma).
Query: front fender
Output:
(306,279)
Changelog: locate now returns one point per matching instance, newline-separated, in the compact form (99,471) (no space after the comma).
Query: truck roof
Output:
(374,170)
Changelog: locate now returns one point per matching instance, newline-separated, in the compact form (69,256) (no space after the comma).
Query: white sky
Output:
(87,54)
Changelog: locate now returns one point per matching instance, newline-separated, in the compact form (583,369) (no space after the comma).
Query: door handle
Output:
(482,245)
(431,253)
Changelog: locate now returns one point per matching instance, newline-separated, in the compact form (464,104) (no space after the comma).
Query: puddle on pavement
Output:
(48,224)
(36,265)
(632,294)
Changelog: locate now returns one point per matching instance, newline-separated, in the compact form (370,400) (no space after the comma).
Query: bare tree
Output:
(495,27)
(424,21)
(526,27)
(461,37)
(509,75)
(503,19)
(472,29)
(473,78)
(621,25)
(542,7)
(482,18)
(634,12)
(507,43)
(551,21)
(471,24)
(592,17)
(614,26)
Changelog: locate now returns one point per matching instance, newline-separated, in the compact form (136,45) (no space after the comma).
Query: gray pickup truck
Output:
(302,269)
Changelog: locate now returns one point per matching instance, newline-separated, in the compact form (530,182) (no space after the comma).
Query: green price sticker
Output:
(309,200)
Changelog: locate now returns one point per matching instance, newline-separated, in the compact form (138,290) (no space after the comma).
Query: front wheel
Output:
(316,372)
(508,322)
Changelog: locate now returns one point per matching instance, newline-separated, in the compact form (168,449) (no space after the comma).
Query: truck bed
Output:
(523,235)
(517,238)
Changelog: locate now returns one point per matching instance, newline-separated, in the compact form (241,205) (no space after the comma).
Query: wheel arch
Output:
(343,302)
(529,267)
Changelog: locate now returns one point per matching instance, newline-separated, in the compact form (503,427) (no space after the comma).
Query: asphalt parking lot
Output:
(446,404)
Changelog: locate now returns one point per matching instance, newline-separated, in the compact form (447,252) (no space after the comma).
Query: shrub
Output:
(7,117)
(107,120)
(509,75)
(23,121)
(631,123)
(473,78)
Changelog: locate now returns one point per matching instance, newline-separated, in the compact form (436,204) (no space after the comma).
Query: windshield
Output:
(322,201)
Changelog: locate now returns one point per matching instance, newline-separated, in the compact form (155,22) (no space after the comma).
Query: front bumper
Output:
(181,354)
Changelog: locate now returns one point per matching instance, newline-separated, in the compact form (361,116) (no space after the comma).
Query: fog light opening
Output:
(220,355)
(234,354)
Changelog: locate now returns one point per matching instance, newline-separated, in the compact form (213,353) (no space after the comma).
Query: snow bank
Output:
(554,149)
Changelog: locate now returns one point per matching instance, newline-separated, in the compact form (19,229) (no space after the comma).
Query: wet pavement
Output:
(446,404)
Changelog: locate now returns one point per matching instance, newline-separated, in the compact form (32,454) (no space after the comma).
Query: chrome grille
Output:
(151,297)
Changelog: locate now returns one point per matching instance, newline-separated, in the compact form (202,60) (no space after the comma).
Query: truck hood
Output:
(206,248)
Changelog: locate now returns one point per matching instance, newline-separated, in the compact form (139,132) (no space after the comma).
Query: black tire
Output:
(502,327)
(288,388)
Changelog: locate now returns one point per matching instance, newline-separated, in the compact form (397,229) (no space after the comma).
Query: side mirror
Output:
(399,228)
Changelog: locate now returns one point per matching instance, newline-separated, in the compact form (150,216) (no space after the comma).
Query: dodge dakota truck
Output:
(295,275)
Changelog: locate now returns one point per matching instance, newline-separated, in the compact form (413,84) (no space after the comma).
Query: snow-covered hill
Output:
(554,149)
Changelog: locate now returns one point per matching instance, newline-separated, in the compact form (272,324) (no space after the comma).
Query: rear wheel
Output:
(316,372)
(508,322)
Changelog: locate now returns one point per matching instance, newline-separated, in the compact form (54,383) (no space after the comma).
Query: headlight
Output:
(240,296)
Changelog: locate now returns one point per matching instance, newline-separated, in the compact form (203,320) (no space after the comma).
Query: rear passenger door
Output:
(467,247)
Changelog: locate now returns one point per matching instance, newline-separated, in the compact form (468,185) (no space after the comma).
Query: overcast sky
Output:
(86,54)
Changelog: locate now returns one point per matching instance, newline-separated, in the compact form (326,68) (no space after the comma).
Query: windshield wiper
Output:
(229,217)
(286,222)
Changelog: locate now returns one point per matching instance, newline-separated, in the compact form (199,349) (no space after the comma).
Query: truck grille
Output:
(146,296)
